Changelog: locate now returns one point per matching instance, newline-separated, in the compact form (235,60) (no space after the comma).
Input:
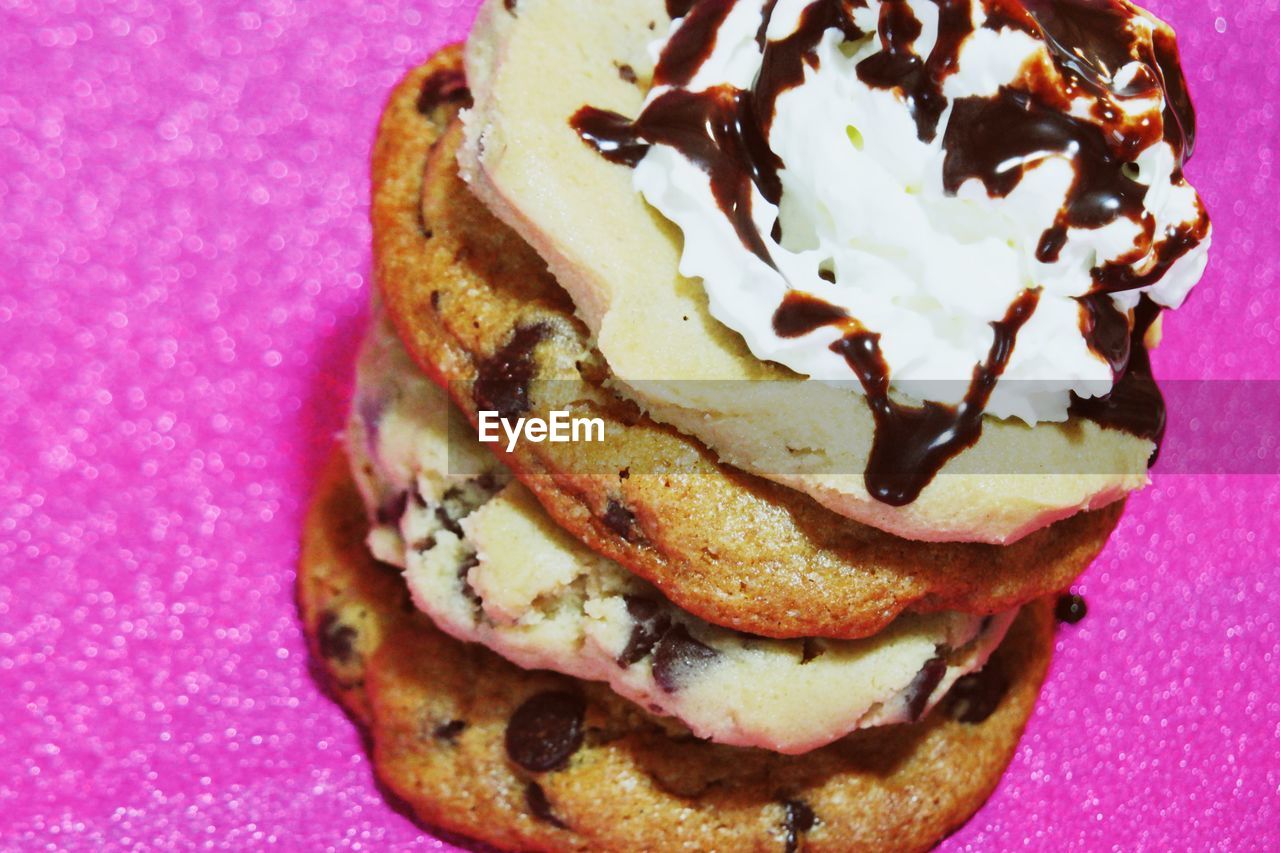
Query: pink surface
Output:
(184,263)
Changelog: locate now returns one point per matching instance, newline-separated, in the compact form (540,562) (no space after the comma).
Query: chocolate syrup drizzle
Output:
(911,443)
(724,131)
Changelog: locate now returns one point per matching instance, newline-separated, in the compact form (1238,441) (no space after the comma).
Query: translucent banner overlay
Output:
(789,428)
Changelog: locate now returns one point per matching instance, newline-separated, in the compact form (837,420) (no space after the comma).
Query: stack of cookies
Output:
(706,627)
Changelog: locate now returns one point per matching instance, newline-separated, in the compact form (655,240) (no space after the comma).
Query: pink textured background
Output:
(184,264)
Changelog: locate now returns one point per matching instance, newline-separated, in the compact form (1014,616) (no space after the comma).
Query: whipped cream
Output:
(888,212)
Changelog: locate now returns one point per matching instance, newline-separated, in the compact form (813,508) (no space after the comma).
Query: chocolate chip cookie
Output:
(481,314)
(531,760)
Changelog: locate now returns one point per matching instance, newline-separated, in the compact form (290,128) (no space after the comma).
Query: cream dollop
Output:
(867,225)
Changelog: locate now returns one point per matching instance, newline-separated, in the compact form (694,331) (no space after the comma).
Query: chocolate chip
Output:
(435,294)
(337,641)
(448,522)
(449,731)
(488,482)
(627,73)
(546,730)
(468,563)
(509,5)
(923,685)
(502,380)
(651,622)
(620,520)
(540,806)
(679,656)
(392,509)
(800,819)
(446,85)
(624,474)
(810,649)
(976,696)
(1071,608)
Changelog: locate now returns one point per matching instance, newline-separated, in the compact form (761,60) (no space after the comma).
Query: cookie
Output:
(481,315)
(349,602)
(533,760)
(485,562)
(619,261)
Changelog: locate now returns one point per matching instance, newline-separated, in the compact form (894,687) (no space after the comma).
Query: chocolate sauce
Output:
(1135,403)
(911,443)
(1179,113)
(997,139)
(715,129)
(1115,277)
(1090,41)
(691,43)
(679,8)
(1106,330)
(801,313)
(783,61)
(724,131)
(898,66)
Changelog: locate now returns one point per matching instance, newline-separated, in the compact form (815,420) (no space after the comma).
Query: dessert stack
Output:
(792,585)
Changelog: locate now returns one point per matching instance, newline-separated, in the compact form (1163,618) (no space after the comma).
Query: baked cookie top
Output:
(619,260)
